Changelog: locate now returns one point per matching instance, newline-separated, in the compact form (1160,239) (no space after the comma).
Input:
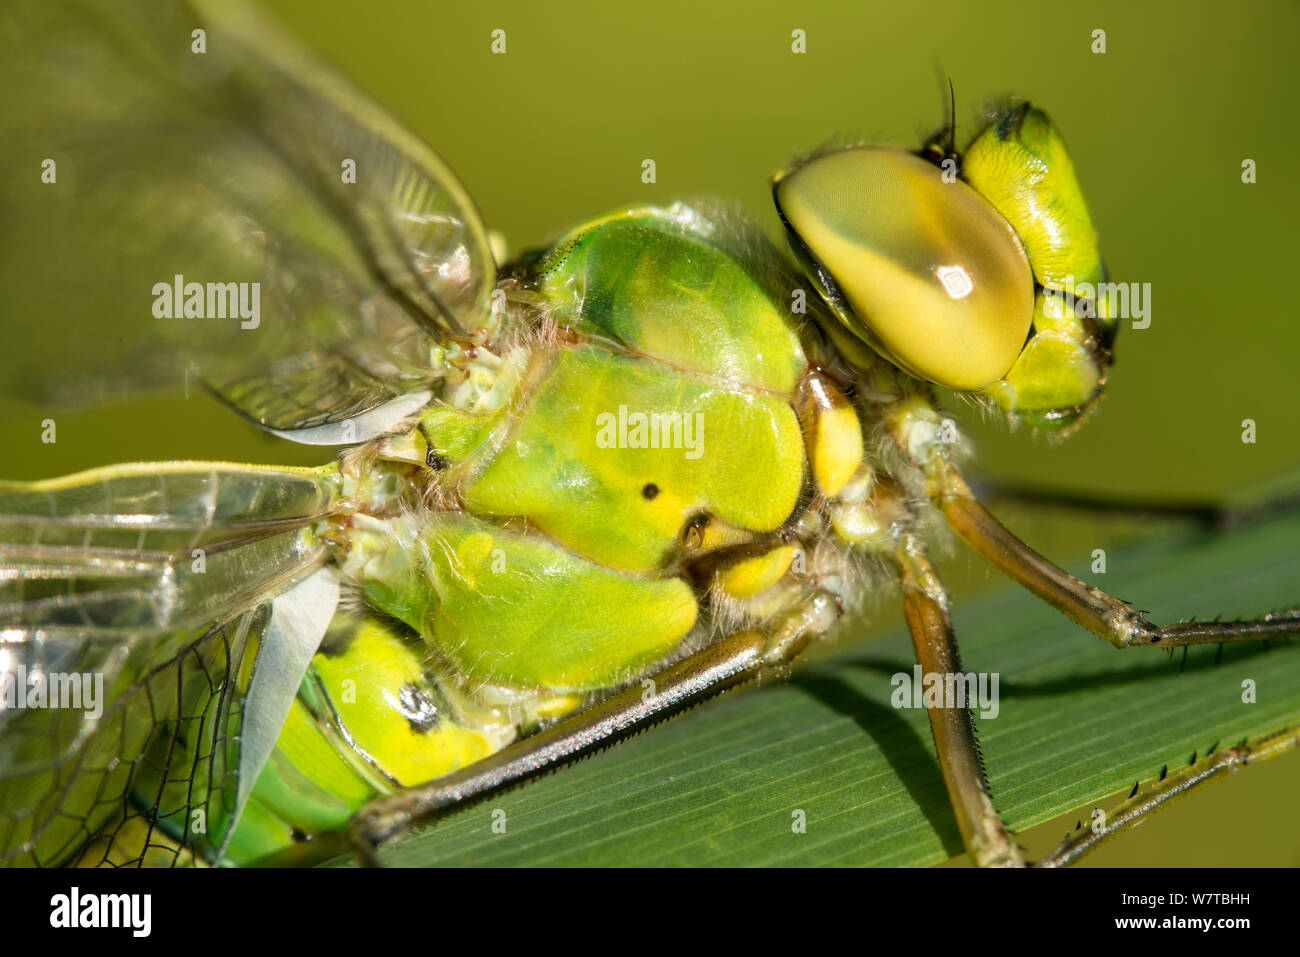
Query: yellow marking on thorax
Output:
(749,576)
(832,433)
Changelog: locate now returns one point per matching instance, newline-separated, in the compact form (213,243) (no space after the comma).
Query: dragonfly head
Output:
(976,271)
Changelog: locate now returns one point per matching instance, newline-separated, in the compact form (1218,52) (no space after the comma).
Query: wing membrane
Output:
(138,550)
(224,168)
(153,583)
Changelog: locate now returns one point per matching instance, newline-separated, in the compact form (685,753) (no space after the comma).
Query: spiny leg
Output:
(737,658)
(1102,614)
(983,832)
(925,604)
(1171,787)
(1123,626)
(1218,516)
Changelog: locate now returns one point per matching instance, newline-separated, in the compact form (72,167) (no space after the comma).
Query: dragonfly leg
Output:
(1218,516)
(737,658)
(1102,614)
(926,607)
(1128,814)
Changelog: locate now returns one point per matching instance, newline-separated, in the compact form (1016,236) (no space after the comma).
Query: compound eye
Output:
(932,275)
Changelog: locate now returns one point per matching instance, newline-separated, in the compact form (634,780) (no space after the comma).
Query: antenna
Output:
(952,120)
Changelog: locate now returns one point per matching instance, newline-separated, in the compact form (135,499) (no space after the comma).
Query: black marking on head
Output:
(650,490)
(1009,120)
(419,708)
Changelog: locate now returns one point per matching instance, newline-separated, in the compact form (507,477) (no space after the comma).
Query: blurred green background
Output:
(555,131)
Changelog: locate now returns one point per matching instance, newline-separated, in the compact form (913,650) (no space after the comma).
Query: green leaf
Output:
(1078,721)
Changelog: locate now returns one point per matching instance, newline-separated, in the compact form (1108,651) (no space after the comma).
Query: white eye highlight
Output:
(955,280)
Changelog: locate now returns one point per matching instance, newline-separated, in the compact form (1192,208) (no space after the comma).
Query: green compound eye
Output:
(930,274)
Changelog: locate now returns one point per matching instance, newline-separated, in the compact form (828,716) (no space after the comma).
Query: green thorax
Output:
(654,423)
(668,394)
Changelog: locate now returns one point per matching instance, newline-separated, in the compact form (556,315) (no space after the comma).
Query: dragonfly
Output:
(581,489)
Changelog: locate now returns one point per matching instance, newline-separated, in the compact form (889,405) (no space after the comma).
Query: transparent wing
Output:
(184,189)
(136,597)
